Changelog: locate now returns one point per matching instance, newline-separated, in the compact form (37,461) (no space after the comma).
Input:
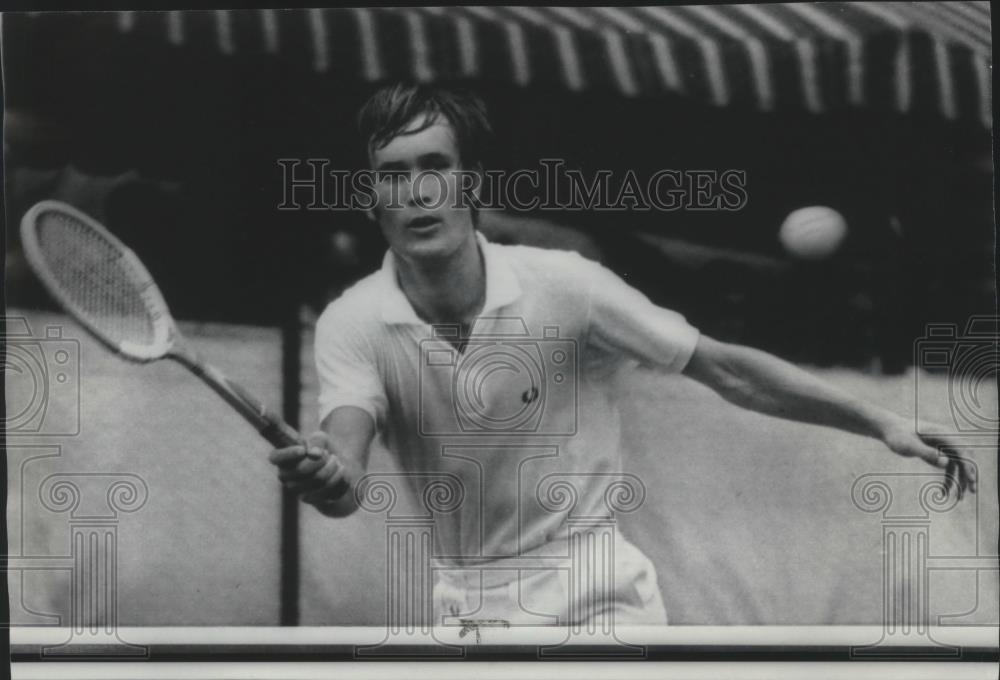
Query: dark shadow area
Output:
(177,150)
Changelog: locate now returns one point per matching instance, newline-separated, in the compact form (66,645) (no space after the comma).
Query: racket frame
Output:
(168,342)
(164,332)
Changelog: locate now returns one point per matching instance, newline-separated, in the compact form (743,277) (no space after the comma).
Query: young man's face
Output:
(420,214)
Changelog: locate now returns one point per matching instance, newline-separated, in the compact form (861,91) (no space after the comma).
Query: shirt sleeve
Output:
(346,368)
(621,319)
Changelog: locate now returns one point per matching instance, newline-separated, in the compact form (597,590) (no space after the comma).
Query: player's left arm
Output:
(764,383)
(622,319)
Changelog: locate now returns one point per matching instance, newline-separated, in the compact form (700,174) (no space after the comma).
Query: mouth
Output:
(422,224)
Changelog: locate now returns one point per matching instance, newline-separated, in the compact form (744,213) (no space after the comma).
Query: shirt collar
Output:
(502,285)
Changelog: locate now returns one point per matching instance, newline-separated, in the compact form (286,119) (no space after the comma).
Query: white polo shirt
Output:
(521,421)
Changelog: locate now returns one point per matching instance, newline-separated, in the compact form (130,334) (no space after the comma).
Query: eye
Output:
(439,163)
(391,177)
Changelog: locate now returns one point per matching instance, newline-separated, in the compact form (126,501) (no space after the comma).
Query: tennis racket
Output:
(103,285)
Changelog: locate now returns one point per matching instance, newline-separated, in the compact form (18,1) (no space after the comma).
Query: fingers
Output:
(960,474)
(970,473)
(311,474)
(300,471)
(310,469)
(966,473)
(951,480)
(938,460)
(930,455)
(314,447)
(317,444)
(314,452)
(292,455)
(334,486)
(289,455)
(318,439)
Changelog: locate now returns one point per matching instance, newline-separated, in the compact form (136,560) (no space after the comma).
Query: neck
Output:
(448,290)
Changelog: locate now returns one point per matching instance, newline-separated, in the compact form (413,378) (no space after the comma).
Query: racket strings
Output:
(95,278)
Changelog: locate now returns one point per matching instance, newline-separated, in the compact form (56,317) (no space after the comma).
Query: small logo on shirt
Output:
(511,382)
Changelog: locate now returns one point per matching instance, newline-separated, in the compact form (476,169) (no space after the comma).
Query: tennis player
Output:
(408,353)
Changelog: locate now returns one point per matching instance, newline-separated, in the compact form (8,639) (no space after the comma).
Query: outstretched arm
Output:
(622,319)
(761,382)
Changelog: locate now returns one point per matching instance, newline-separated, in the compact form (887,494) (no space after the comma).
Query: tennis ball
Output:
(813,233)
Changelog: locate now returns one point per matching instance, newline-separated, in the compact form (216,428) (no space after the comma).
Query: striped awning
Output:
(928,57)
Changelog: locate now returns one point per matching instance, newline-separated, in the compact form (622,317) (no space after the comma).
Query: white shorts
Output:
(547,586)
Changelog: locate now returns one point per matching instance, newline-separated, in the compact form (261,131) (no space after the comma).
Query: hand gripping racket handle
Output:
(271,427)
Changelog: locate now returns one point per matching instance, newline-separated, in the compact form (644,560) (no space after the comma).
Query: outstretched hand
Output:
(311,470)
(937,448)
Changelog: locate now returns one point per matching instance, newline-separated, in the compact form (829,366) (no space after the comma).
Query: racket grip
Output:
(275,430)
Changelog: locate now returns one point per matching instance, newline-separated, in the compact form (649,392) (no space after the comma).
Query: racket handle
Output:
(269,424)
(275,430)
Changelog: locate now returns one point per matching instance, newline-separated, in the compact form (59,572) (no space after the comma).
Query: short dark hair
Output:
(393,107)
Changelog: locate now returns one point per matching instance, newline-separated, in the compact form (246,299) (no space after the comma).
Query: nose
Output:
(425,189)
